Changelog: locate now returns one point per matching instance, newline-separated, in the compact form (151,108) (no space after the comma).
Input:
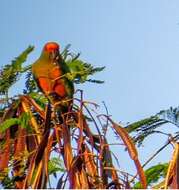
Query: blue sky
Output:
(137,41)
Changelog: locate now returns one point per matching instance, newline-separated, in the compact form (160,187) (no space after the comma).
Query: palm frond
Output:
(148,126)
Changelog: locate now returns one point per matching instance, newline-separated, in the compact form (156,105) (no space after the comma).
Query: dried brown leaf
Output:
(35,105)
(27,109)
(19,157)
(171,172)
(47,153)
(5,152)
(37,176)
(80,127)
(68,156)
(78,176)
(132,151)
(90,166)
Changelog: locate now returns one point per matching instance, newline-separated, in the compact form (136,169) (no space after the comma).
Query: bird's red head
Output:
(51,47)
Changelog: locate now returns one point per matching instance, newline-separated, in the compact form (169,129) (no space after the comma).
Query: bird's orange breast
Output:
(60,89)
(55,73)
(49,86)
(45,84)
(50,80)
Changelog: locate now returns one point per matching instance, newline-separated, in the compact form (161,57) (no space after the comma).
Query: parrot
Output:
(49,72)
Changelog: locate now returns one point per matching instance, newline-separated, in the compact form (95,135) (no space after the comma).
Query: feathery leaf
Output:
(10,73)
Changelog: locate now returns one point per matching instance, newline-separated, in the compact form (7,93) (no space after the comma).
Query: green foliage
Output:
(144,128)
(8,123)
(79,70)
(30,84)
(153,174)
(40,99)
(170,115)
(8,183)
(54,166)
(148,126)
(22,121)
(136,125)
(10,73)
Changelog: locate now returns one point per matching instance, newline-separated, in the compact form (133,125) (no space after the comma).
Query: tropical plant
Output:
(35,149)
(142,129)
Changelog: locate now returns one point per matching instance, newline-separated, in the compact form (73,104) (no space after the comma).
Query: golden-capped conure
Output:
(49,73)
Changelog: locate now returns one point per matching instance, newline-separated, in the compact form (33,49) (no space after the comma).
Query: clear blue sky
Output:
(137,41)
